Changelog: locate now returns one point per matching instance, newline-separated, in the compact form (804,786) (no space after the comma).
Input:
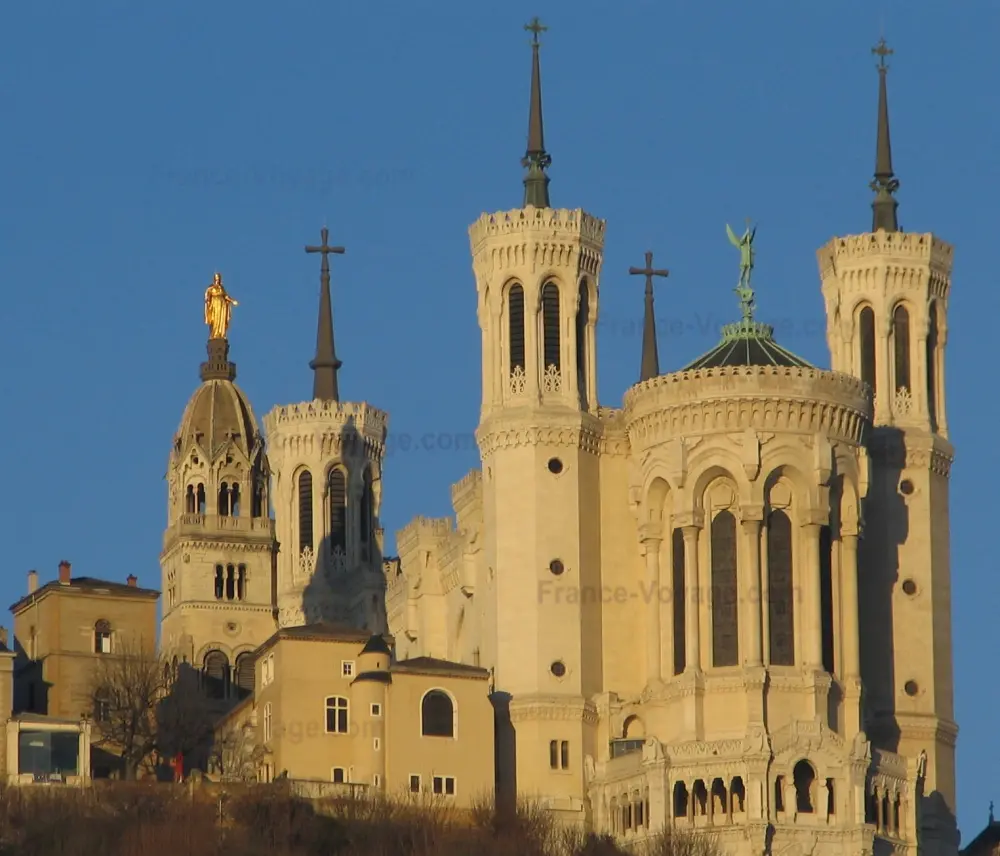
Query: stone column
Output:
(810,624)
(654,639)
(849,604)
(752,519)
(692,593)
(885,396)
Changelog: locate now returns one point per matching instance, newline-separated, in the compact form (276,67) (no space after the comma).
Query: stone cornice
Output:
(239,544)
(511,429)
(732,399)
(895,447)
(553,708)
(899,248)
(538,224)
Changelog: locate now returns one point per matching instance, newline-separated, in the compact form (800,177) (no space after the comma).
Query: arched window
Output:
(779,793)
(780,590)
(826,597)
(337,491)
(189,500)
(633,729)
(337,715)
(901,346)
(866,343)
(201,499)
(234,500)
(215,675)
(220,582)
(932,341)
(737,795)
(230,582)
(102,637)
(305,510)
(550,326)
(804,779)
(515,314)
(241,582)
(582,316)
(257,506)
(437,715)
(244,674)
(677,555)
(366,522)
(725,617)
(680,799)
(224,499)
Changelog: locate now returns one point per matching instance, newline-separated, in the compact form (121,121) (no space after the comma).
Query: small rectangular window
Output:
(414,784)
(377,744)
(564,754)
(554,754)
(377,780)
(347,668)
(376,710)
(444,785)
(439,784)
(338,775)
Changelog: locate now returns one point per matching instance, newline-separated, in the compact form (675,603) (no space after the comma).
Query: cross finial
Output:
(882,50)
(650,366)
(325,364)
(535,27)
(991,811)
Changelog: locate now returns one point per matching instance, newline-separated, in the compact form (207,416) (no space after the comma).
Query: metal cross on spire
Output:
(325,364)
(650,357)
(882,50)
(535,27)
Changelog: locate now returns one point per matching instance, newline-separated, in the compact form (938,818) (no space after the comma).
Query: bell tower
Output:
(886,294)
(326,467)
(537,269)
(218,548)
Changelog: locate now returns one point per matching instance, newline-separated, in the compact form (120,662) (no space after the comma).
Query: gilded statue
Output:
(218,308)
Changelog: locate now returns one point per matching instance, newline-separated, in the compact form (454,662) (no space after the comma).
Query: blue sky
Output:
(146,145)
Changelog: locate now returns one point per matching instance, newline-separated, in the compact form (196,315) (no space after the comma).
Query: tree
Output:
(235,753)
(142,706)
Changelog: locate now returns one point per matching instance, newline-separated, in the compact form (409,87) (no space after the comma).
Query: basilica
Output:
(721,606)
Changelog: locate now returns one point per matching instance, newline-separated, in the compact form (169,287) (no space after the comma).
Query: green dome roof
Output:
(747,343)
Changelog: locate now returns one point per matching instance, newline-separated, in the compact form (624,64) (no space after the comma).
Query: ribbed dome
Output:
(219,411)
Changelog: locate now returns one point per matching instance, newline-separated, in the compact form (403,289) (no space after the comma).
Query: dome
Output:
(219,412)
(747,343)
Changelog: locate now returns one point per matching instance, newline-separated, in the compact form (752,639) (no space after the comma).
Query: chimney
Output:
(32,582)
(3,636)
(64,573)
(131,580)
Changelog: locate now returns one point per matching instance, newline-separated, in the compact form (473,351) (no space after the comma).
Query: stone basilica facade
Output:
(723,606)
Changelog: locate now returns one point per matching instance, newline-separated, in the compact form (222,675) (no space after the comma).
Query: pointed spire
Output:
(325,364)
(650,366)
(536,160)
(885,183)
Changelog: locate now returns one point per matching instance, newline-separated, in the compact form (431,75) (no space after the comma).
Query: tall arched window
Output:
(931,357)
(550,326)
(582,316)
(220,582)
(224,499)
(725,615)
(366,519)
(305,510)
(337,491)
(216,675)
(234,500)
(780,590)
(201,499)
(677,557)
(901,346)
(257,505)
(866,343)
(515,315)
(102,637)
(437,715)
(244,674)
(826,597)
(189,500)
(804,779)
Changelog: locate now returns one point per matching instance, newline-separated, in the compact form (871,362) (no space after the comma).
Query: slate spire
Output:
(885,183)
(536,160)
(325,364)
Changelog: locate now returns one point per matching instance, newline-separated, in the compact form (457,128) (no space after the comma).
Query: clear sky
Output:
(145,145)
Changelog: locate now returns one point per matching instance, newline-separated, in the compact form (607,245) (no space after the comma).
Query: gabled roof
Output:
(87,586)
(322,631)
